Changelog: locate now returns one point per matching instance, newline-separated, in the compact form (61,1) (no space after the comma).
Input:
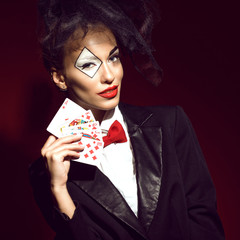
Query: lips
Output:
(109,92)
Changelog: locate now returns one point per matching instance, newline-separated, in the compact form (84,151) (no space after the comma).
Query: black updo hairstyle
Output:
(131,22)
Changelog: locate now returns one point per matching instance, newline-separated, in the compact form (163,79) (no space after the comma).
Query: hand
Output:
(57,154)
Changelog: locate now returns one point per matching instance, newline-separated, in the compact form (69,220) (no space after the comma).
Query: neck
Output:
(98,114)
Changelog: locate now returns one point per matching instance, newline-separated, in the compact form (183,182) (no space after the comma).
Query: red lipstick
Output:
(109,92)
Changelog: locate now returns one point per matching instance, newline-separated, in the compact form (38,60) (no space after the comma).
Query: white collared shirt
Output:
(117,162)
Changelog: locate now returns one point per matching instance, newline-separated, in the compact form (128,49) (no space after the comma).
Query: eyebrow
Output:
(113,50)
(88,58)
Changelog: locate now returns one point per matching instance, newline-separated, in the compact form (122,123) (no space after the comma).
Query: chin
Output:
(109,105)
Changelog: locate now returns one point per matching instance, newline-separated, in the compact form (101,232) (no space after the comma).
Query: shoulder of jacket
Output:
(161,114)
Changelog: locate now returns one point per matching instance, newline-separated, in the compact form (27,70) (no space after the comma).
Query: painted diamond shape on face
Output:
(88,63)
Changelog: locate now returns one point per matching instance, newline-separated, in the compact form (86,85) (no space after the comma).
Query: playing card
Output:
(68,110)
(69,113)
(92,129)
(91,152)
(85,117)
(72,119)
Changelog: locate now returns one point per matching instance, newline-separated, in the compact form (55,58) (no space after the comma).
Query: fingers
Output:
(64,154)
(49,141)
(60,152)
(52,143)
(57,153)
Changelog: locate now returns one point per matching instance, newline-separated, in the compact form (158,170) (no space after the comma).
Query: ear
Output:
(59,79)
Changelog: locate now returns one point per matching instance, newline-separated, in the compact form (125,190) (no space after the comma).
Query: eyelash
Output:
(117,56)
(113,58)
(87,65)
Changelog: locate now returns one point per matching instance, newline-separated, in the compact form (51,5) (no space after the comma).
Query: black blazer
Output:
(175,192)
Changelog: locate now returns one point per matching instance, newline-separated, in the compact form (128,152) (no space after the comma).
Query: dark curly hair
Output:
(131,22)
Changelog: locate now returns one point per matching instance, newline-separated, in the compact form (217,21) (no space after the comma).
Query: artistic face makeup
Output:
(93,73)
(88,63)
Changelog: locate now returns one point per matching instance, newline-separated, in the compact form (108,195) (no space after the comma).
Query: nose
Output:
(107,73)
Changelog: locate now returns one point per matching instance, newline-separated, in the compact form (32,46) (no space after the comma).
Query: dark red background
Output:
(197,45)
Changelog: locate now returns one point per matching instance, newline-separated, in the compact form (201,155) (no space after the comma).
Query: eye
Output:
(114,58)
(87,66)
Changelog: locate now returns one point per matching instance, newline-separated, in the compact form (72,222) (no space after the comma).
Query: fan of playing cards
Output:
(72,119)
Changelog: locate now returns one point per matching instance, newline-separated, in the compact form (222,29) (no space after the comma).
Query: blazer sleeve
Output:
(198,186)
(65,228)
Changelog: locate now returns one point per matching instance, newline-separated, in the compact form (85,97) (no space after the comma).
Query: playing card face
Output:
(88,128)
(69,110)
(72,119)
(91,152)
(80,123)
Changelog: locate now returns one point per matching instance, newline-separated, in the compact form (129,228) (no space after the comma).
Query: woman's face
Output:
(93,73)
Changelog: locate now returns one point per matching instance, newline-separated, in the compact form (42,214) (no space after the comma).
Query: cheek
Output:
(78,80)
(81,89)
(119,72)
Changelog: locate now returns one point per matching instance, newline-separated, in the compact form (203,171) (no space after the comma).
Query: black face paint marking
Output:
(88,63)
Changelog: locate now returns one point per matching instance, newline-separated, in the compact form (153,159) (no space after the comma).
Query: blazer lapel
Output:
(108,197)
(147,152)
(146,141)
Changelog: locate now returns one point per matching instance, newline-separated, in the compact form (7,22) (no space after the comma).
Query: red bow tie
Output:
(115,134)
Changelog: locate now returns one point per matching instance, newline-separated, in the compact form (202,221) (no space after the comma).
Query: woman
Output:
(155,183)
